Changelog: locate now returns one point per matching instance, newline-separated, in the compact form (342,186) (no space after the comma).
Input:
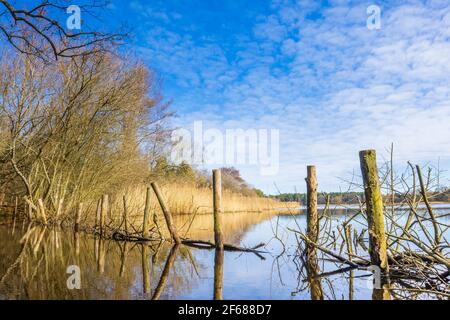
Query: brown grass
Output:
(187,202)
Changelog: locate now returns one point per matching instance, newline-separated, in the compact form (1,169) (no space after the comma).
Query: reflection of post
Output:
(165,274)
(145,269)
(101,256)
(313,234)
(123,259)
(218,274)
(96,244)
(375,218)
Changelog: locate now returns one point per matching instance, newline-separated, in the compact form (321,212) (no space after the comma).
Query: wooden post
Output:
(78,217)
(146,224)
(42,211)
(103,212)
(375,210)
(312,217)
(167,215)
(217,201)
(98,213)
(312,221)
(125,214)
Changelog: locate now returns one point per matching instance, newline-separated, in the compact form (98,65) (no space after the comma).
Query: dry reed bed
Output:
(186,203)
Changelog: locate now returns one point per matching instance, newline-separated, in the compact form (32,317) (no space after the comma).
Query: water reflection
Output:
(34,261)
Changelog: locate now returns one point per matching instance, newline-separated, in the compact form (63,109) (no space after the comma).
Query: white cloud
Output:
(331,86)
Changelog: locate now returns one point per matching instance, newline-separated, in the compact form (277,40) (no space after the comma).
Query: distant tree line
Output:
(352,197)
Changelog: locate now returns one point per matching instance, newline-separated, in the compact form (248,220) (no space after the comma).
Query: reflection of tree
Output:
(36,268)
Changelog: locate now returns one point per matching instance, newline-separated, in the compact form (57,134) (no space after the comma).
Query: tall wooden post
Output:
(217,201)
(167,215)
(312,219)
(375,220)
(146,224)
(311,203)
(103,212)
(78,217)
(375,210)
(125,214)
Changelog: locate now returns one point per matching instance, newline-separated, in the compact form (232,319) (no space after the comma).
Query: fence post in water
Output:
(311,202)
(103,211)
(375,211)
(217,200)
(125,214)
(167,214)
(145,227)
(98,213)
(312,218)
(78,217)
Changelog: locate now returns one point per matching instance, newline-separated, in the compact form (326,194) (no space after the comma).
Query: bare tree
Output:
(38,30)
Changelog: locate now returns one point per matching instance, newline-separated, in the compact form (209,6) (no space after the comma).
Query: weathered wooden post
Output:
(98,214)
(146,224)
(167,215)
(312,217)
(375,210)
(125,214)
(375,220)
(312,220)
(78,217)
(217,201)
(103,211)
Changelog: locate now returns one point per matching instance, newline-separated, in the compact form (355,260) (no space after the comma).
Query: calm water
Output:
(115,270)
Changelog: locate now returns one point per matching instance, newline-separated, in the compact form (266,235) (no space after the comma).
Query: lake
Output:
(118,270)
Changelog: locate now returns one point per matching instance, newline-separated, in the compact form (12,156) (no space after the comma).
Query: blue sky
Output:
(311,69)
